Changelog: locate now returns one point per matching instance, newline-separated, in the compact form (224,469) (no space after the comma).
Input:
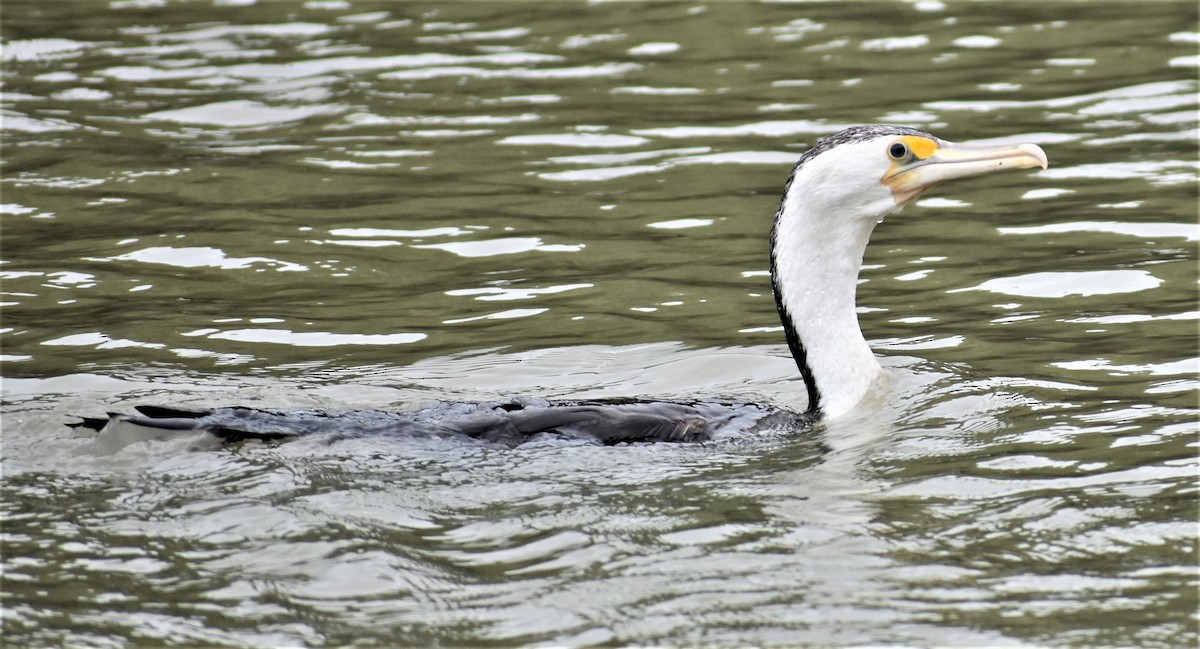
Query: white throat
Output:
(817,248)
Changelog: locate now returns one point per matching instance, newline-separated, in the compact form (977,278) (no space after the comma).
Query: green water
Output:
(379,205)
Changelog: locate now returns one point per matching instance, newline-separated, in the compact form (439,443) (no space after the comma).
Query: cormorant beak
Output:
(932,162)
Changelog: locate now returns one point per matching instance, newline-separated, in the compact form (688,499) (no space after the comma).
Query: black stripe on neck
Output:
(799,354)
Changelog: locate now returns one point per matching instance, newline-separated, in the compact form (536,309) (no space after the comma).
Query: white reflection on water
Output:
(660,91)
(679,224)
(576,72)
(1187,366)
(895,43)
(507,246)
(977,41)
(199,257)
(82,94)
(42,49)
(350,164)
(277,30)
(940,202)
(14,121)
(501,293)
(448,231)
(588,140)
(16,208)
(469,36)
(919,343)
(1125,318)
(1063,284)
(99,341)
(774,128)
(307,338)
(392,153)
(428,64)
(1191,232)
(1162,172)
(368,119)
(243,112)
(1147,91)
(1143,481)
(1046,192)
(362,243)
(653,49)
(499,315)
(671,159)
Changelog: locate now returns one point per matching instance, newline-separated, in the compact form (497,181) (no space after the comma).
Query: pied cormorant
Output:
(837,192)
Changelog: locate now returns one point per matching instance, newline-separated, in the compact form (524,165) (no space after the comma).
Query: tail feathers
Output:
(234,424)
(91,423)
(156,422)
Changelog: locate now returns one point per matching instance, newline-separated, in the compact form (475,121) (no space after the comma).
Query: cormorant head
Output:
(870,171)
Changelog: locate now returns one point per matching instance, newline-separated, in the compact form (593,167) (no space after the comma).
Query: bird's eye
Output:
(898,150)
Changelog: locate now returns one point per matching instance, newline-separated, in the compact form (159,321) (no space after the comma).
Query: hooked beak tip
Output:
(1036,153)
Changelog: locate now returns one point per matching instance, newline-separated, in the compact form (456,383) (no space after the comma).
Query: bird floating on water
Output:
(836,194)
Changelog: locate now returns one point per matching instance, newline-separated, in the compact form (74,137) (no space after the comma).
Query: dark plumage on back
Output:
(509,423)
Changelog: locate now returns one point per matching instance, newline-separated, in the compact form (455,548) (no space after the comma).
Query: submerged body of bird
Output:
(836,194)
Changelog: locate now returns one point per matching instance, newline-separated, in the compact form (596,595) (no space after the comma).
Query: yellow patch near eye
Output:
(922,147)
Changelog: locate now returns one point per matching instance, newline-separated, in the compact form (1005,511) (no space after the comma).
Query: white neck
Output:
(816,254)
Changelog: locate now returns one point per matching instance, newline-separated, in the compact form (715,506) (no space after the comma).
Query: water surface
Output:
(346,205)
